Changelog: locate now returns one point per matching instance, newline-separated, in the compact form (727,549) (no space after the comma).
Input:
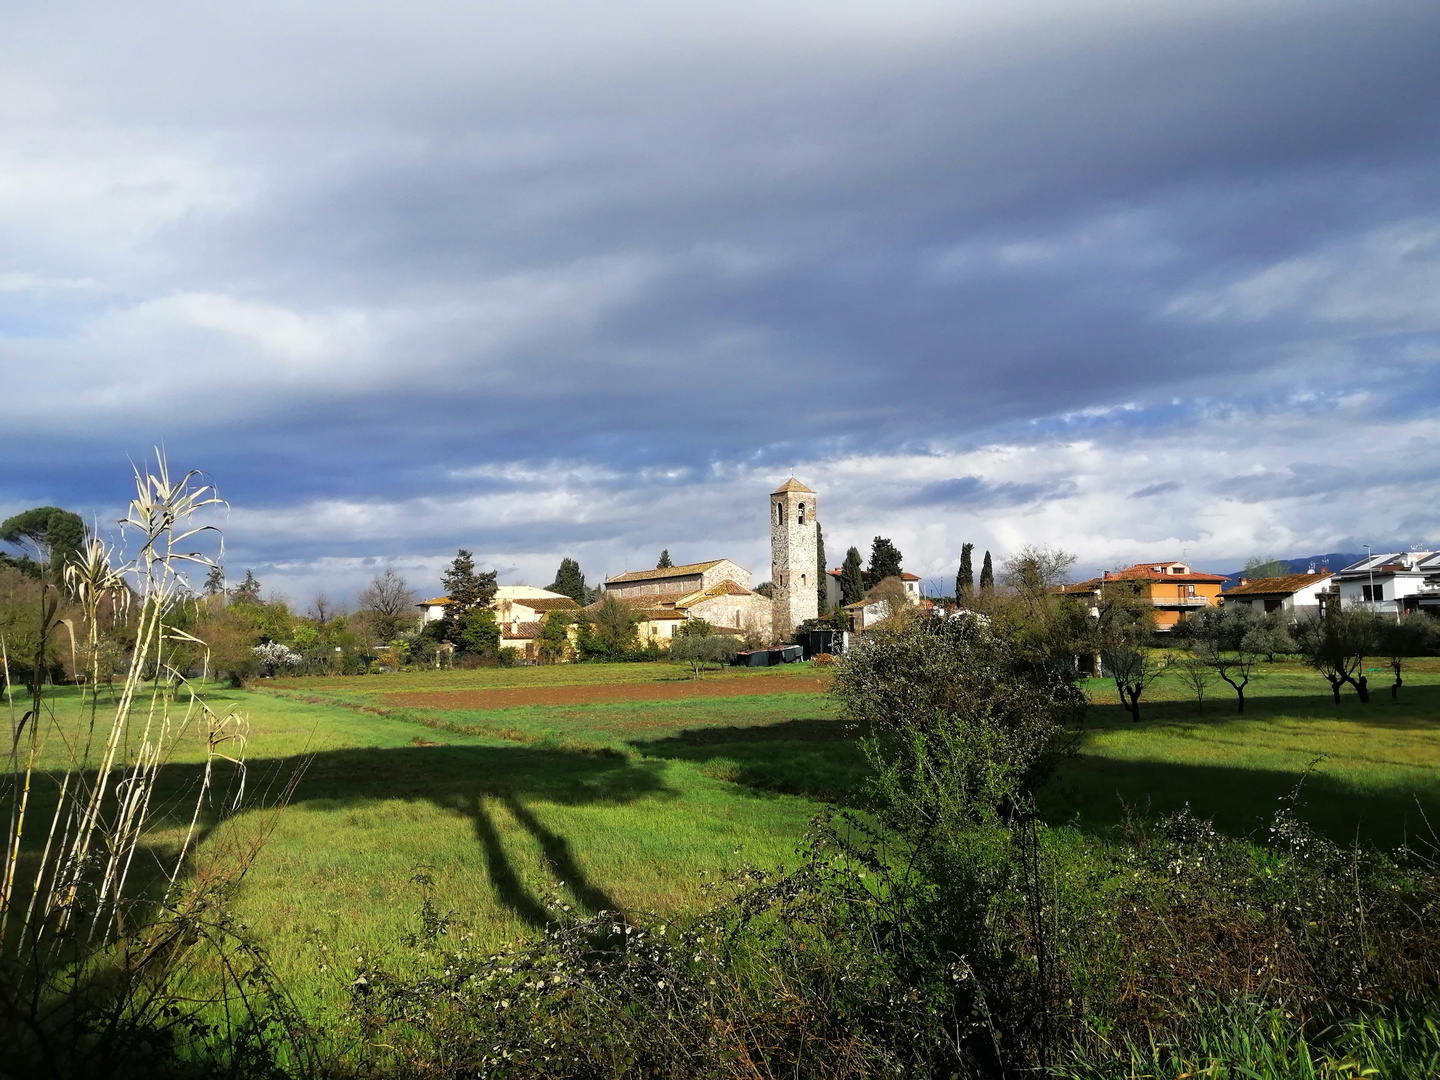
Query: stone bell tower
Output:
(793,555)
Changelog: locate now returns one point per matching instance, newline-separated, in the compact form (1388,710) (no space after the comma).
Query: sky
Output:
(569,278)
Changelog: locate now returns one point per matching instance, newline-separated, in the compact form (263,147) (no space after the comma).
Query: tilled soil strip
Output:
(602,693)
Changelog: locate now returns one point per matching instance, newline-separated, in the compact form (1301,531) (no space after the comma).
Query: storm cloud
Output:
(584,279)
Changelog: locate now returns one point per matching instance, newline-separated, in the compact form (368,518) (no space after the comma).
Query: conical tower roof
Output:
(792,485)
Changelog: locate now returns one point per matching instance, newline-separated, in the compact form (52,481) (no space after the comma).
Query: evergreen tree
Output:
(215,582)
(822,599)
(480,633)
(664,563)
(852,581)
(965,579)
(54,535)
(884,561)
(569,581)
(987,574)
(469,592)
(248,591)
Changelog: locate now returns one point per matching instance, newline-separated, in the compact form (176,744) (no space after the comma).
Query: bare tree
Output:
(389,602)
(321,610)
(1036,569)
(1195,674)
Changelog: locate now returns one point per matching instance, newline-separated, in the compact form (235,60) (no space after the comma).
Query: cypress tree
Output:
(664,563)
(965,579)
(822,600)
(987,574)
(884,561)
(852,581)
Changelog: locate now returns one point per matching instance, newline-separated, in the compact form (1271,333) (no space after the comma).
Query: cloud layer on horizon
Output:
(574,279)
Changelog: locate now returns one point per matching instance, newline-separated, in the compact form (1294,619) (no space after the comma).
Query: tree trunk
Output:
(1131,701)
(1239,689)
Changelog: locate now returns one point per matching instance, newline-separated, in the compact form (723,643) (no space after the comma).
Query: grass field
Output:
(619,803)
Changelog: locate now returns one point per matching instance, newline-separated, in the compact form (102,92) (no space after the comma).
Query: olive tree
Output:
(1223,639)
(1410,636)
(1336,645)
(697,650)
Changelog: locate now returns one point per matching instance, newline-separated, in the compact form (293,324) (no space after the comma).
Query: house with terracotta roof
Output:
(878,603)
(1294,595)
(1172,588)
(510,604)
(832,587)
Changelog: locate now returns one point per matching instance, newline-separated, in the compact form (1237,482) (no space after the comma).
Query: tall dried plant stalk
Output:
(112,758)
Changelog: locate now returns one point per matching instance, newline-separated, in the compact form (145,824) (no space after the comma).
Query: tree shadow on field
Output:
(818,758)
(473,782)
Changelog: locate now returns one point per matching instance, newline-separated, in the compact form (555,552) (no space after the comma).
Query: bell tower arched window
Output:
(802,514)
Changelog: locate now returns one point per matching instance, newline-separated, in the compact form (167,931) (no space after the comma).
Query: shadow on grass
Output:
(1091,792)
(817,758)
(474,782)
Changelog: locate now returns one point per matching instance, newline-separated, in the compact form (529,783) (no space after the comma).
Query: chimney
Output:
(1244,581)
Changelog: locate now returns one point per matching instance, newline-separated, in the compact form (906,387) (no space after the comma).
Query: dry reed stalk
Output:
(105,794)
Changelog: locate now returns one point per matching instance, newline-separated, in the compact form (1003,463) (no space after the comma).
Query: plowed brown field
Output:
(605,693)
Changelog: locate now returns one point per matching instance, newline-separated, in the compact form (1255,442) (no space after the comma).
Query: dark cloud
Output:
(974,492)
(358,259)
(1156,489)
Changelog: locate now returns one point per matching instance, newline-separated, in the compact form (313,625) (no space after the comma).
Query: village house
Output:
(832,587)
(1172,588)
(1294,595)
(510,604)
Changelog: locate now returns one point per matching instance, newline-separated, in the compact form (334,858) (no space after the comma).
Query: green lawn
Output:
(626,804)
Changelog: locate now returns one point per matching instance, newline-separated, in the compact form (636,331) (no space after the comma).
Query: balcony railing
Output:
(1180,601)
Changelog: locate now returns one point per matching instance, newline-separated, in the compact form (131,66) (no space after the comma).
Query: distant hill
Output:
(1335,560)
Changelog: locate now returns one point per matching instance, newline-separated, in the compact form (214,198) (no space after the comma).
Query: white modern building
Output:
(1392,583)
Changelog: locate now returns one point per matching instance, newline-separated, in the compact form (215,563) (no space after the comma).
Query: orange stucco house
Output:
(1172,587)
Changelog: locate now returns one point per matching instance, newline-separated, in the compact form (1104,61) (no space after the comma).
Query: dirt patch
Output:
(605,693)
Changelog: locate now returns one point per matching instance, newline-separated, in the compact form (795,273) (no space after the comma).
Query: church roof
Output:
(720,588)
(792,485)
(688,570)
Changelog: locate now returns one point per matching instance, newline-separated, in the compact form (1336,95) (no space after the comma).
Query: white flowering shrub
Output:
(277,658)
